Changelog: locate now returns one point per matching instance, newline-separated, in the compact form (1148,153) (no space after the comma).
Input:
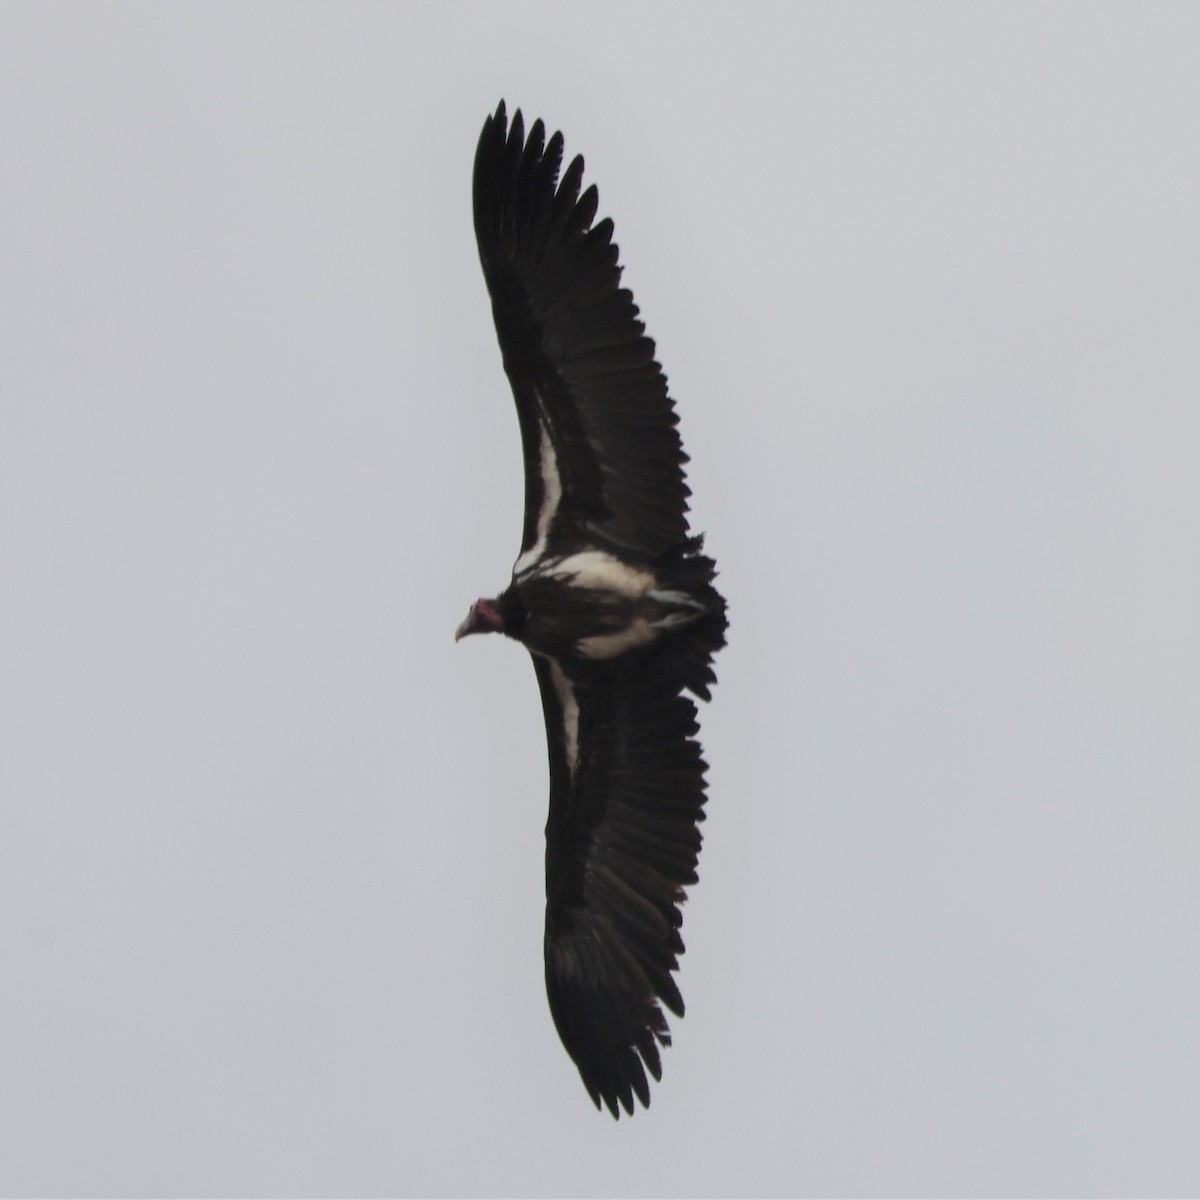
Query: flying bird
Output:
(613,598)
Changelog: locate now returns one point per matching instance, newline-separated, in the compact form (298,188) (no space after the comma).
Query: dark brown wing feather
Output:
(622,842)
(575,353)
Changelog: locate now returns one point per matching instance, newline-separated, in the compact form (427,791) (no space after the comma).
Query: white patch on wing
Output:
(551,497)
(570,714)
(600,570)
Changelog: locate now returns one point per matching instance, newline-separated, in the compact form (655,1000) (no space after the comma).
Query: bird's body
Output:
(614,599)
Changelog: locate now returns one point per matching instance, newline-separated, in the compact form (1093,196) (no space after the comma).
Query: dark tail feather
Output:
(685,653)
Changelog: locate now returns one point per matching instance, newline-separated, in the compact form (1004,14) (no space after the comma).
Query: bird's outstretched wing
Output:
(622,841)
(602,454)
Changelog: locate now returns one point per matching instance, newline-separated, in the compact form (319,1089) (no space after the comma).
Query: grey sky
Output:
(926,283)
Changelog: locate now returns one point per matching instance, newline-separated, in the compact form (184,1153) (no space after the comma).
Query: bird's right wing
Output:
(622,842)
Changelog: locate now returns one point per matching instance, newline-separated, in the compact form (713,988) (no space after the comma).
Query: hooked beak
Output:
(483,618)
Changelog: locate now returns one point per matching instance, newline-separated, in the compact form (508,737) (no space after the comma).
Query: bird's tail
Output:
(693,618)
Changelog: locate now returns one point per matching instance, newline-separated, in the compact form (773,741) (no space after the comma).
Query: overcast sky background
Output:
(926,283)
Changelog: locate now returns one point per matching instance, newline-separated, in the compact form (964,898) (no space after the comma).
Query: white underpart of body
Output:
(604,572)
(609,645)
(570,713)
(551,497)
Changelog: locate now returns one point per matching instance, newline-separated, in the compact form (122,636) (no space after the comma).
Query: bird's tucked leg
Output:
(680,608)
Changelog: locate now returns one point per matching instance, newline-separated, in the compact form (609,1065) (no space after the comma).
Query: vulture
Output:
(612,596)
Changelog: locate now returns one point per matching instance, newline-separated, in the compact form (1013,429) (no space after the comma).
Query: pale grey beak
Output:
(483,618)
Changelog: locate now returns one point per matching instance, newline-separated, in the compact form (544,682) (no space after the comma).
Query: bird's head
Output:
(484,617)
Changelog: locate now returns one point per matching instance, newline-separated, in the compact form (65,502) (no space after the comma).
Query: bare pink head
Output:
(484,617)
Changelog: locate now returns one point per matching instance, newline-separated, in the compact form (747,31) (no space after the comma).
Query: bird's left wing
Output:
(598,429)
(622,841)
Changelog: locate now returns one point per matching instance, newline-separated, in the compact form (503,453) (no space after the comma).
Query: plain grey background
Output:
(926,282)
